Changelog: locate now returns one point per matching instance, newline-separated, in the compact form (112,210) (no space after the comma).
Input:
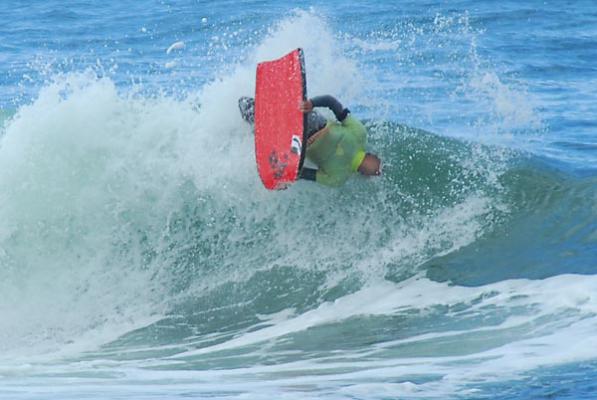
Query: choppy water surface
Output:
(140,257)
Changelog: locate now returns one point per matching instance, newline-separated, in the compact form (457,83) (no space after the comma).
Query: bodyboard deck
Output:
(279,124)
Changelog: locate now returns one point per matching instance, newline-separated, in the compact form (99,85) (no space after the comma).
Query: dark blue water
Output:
(140,257)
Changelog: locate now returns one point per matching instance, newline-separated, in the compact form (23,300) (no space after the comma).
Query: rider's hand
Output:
(306,106)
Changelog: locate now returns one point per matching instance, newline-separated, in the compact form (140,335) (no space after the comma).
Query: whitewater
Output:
(140,256)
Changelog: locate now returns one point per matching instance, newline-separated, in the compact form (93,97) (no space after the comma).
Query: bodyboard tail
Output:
(279,123)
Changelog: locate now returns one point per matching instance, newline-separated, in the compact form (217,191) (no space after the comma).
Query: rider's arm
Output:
(330,102)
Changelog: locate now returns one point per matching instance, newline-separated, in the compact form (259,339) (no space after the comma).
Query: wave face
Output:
(140,255)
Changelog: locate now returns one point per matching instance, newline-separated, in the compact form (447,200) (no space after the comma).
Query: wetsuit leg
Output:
(308,174)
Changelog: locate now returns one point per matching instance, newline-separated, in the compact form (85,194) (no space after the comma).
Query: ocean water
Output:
(141,258)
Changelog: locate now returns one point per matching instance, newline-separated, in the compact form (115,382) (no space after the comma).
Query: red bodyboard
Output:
(279,124)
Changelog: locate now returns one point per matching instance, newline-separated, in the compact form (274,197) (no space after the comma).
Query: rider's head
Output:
(371,165)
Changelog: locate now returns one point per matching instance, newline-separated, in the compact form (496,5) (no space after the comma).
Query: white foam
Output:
(83,168)
(329,71)
(548,297)
(554,320)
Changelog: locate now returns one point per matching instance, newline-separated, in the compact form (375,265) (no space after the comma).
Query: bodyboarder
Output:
(337,147)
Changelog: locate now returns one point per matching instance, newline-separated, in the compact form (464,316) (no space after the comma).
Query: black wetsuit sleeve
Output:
(309,174)
(330,102)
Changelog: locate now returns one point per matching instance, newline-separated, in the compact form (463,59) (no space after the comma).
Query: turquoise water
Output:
(140,256)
